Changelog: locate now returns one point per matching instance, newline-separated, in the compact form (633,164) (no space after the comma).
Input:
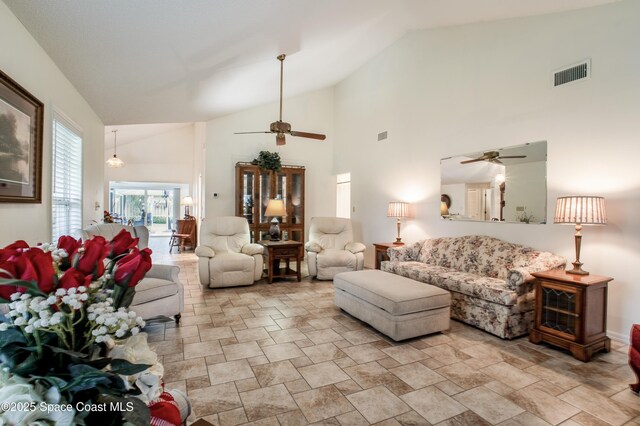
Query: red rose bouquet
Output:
(66,304)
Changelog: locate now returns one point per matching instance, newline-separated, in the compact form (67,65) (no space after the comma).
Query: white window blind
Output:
(343,192)
(66,215)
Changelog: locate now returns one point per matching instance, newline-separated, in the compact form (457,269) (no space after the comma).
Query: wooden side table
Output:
(282,250)
(381,251)
(571,312)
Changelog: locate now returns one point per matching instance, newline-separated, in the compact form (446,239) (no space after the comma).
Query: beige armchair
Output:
(226,258)
(331,249)
(160,292)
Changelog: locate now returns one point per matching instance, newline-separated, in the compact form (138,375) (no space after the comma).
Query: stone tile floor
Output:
(283,354)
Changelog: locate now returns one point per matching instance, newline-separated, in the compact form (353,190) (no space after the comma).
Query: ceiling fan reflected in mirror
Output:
(492,157)
(282,128)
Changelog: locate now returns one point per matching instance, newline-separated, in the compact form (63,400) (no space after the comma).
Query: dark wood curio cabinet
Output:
(256,186)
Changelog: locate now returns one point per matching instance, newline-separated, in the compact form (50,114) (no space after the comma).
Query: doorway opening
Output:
(154,205)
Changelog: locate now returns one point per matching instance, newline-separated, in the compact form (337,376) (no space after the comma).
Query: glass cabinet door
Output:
(265,195)
(297,205)
(247,195)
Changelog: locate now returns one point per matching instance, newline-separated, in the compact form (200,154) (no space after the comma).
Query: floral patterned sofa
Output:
(489,279)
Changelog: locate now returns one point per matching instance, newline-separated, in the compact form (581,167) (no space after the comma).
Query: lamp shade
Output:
(115,162)
(187,201)
(275,208)
(444,210)
(583,210)
(398,209)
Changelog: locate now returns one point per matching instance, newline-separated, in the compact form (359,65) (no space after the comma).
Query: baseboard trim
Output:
(618,337)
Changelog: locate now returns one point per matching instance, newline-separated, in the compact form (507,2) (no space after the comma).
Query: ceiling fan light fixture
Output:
(114,162)
(282,128)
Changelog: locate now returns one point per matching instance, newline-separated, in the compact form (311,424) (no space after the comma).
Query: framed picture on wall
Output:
(21,121)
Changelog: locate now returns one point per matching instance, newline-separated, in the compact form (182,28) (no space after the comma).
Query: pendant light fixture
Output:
(114,161)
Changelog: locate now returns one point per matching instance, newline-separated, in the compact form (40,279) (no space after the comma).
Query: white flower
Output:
(55,318)
(51,300)
(72,290)
(4,326)
(134,331)
(28,329)
(60,292)
(82,289)
(120,333)
(21,307)
(25,296)
(16,296)
(83,296)
(20,321)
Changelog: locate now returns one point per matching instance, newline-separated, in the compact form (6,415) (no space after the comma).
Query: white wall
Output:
(25,61)
(526,187)
(312,112)
(463,89)
(164,157)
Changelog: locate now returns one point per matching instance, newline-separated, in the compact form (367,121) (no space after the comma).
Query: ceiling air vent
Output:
(572,73)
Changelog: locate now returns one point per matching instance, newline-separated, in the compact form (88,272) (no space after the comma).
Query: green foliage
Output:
(159,220)
(268,161)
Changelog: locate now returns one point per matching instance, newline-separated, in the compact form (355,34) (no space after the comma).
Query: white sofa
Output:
(331,249)
(226,257)
(160,292)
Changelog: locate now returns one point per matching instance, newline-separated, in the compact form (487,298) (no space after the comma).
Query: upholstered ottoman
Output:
(397,306)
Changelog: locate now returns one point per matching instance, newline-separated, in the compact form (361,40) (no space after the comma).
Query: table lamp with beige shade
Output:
(580,210)
(187,202)
(398,209)
(275,209)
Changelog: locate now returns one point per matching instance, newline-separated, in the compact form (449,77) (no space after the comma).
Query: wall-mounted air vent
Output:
(572,73)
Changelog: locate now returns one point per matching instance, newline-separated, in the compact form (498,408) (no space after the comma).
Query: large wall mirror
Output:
(499,185)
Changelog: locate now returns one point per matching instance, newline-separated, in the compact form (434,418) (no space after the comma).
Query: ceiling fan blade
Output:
(473,161)
(280,139)
(248,133)
(308,135)
(513,156)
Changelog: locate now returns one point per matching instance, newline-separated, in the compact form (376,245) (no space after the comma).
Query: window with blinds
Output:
(66,215)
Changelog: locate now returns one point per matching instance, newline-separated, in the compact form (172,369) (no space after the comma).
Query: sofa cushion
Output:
(150,289)
(478,254)
(231,262)
(491,289)
(395,294)
(331,257)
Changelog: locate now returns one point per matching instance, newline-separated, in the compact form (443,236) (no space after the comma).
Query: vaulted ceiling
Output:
(168,61)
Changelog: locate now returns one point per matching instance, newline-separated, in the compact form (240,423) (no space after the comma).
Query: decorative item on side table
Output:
(187,202)
(398,209)
(115,162)
(67,318)
(275,209)
(578,211)
(571,312)
(21,122)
